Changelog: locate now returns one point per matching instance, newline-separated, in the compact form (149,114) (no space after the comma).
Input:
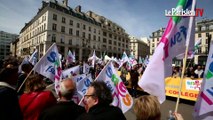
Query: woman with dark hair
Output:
(98,99)
(35,99)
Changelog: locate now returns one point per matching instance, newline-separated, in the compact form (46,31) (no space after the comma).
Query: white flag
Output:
(178,34)
(121,96)
(50,66)
(123,59)
(34,57)
(82,81)
(25,61)
(45,66)
(204,104)
(71,72)
(86,68)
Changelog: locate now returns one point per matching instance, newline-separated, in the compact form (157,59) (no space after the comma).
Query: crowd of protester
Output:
(34,102)
(192,72)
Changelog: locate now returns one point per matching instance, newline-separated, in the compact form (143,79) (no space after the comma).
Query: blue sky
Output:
(138,17)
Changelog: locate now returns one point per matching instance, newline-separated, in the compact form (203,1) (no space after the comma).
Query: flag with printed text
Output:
(178,35)
(121,96)
(204,104)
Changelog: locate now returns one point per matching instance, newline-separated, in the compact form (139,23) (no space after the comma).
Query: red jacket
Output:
(33,103)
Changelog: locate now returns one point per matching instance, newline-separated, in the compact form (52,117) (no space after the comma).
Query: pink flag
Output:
(204,104)
(173,42)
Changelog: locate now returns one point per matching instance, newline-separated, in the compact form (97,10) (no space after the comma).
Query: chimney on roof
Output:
(89,13)
(78,8)
(65,2)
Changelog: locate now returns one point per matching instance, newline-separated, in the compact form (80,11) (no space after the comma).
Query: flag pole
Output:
(33,69)
(186,54)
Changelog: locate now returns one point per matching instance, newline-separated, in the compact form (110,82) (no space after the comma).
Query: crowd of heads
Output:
(146,107)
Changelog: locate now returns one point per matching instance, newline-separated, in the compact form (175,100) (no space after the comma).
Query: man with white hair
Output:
(65,109)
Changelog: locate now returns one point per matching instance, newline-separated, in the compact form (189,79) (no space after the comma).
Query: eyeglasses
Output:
(87,96)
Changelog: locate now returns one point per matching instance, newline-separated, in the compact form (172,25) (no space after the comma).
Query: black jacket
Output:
(9,104)
(62,111)
(103,112)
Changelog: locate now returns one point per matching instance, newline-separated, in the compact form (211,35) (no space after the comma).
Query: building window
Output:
(70,42)
(54,17)
(94,30)
(78,25)
(90,29)
(44,26)
(104,46)
(104,34)
(104,40)
(115,43)
(110,35)
(99,38)
(83,34)
(115,37)
(70,31)
(110,41)
(119,39)
(62,29)
(199,35)
(89,36)
(84,27)
(71,22)
(53,38)
(77,33)
(63,20)
(54,27)
(94,37)
(62,39)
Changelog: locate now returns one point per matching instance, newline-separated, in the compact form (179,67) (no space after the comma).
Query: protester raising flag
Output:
(174,41)
(34,57)
(50,65)
(93,58)
(204,104)
(123,59)
(70,57)
(25,61)
(132,60)
(121,96)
